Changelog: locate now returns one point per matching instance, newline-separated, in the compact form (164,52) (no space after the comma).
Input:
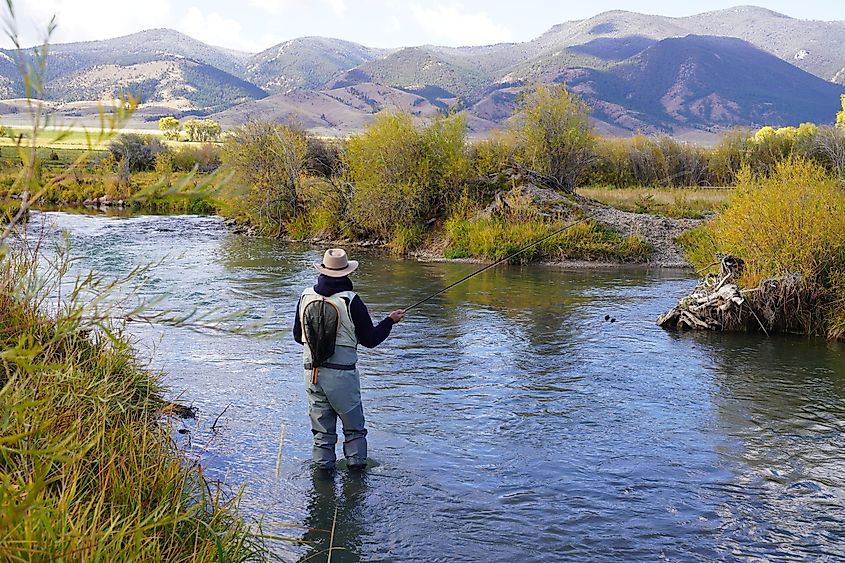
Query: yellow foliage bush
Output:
(792,221)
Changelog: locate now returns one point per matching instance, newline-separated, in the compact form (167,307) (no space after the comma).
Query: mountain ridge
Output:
(603,58)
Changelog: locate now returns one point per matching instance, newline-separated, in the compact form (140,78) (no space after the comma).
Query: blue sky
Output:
(253,25)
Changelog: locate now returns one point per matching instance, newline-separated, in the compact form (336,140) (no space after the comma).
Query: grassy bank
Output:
(178,187)
(495,238)
(87,469)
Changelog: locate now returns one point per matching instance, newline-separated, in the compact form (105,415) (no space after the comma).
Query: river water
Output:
(508,419)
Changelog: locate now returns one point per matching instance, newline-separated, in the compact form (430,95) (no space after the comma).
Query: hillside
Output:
(181,84)
(692,82)
(706,82)
(307,62)
(740,66)
(142,47)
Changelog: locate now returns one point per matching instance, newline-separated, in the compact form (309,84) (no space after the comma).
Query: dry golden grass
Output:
(693,203)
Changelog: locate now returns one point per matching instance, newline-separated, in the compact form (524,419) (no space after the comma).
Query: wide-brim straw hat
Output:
(336,264)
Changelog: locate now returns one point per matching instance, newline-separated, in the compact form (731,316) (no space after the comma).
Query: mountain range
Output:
(743,66)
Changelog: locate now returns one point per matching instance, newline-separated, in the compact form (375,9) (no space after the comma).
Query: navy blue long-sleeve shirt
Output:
(368,335)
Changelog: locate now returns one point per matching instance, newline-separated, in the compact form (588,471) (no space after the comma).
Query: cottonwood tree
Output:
(556,143)
(840,117)
(203,130)
(170,127)
(268,160)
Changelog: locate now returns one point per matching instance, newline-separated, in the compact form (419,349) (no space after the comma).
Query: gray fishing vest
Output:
(346,343)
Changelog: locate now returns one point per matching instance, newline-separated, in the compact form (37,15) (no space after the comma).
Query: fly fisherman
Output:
(331,320)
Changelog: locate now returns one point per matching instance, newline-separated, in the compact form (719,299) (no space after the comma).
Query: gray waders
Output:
(333,388)
(337,393)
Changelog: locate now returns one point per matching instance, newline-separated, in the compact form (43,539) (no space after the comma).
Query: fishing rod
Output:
(497,262)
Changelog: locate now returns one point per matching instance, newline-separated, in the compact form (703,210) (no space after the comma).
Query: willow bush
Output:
(554,137)
(791,221)
(267,161)
(404,174)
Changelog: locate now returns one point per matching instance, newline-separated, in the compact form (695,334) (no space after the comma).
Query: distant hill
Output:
(179,83)
(703,82)
(740,66)
(307,62)
(162,66)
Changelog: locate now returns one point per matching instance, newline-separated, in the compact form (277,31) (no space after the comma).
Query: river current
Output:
(509,420)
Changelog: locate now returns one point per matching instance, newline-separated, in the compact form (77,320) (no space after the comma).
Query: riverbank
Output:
(652,238)
(89,470)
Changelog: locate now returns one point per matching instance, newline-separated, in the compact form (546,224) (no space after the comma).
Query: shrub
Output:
(555,138)
(729,156)
(267,160)
(404,174)
(324,157)
(205,158)
(792,221)
(828,149)
(136,152)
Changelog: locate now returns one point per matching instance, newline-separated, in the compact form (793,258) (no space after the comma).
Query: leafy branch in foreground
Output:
(32,67)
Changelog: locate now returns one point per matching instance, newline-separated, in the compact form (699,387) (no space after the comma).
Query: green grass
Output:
(496,238)
(693,203)
(88,471)
(9,208)
(699,247)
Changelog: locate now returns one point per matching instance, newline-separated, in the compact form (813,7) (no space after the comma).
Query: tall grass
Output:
(87,470)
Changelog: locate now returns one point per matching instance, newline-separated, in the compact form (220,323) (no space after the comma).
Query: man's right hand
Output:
(397,315)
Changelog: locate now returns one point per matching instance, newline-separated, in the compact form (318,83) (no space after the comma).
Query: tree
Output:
(556,144)
(268,160)
(840,117)
(135,153)
(203,130)
(171,127)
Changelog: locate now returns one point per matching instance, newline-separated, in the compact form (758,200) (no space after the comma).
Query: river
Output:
(508,419)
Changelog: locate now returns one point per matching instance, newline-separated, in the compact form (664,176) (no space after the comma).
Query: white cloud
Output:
(274,7)
(214,29)
(337,6)
(80,20)
(453,24)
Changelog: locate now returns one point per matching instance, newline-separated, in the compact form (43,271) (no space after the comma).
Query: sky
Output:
(254,25)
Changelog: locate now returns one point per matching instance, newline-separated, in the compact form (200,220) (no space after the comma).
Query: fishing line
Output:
(499,261)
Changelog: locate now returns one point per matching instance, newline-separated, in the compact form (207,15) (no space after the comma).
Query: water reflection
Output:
(334,519)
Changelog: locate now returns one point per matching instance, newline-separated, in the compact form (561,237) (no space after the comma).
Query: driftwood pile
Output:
(715,304)
(782,304)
